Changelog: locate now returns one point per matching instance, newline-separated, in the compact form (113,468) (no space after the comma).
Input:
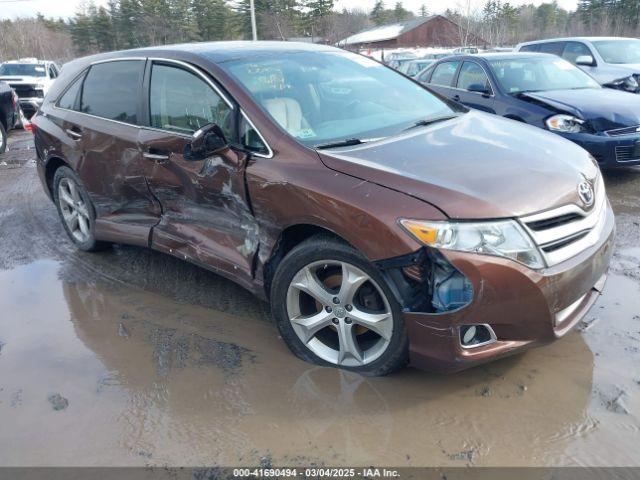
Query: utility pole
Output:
(254,28)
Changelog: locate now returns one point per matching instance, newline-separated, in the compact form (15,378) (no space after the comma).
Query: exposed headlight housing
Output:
(502,238)
(565,124)
(630,84)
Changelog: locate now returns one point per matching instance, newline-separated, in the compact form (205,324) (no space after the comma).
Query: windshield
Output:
(324,97)
(619,51)
(417,67)
(539,74)
(22,69)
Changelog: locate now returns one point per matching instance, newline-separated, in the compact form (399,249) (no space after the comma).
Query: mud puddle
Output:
(148,380)
(129,357)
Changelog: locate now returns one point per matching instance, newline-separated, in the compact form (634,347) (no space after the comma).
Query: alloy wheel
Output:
(340,313)
(74,210)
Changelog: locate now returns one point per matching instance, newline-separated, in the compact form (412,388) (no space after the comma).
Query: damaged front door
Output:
(205,213)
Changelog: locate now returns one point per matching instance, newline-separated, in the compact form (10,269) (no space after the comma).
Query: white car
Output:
(31,79)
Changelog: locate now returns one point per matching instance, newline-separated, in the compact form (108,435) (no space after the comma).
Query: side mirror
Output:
(585,60)
(479,88)
(206,142)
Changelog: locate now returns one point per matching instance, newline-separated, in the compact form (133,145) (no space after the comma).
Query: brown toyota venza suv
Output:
(384,223)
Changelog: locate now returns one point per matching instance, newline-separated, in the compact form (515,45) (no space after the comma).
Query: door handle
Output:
(73,134)
(456,98)
(156,157)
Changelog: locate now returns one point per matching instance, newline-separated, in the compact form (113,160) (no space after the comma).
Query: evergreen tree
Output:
(379,15)
(423,11)
(400,13)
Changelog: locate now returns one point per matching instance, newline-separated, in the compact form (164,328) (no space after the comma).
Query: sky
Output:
(66,8)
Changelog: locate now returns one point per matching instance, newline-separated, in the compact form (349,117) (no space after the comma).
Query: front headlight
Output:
(565,123)
(630,84)
(503,238)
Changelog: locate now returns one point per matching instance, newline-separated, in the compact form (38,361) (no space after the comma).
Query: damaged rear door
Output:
(205,211)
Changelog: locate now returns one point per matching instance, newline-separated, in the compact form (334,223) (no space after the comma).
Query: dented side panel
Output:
(205,213)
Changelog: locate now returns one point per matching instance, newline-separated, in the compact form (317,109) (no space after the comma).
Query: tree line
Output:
(122,24)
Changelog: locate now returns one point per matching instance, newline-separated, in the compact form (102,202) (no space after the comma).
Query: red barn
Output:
(433,31)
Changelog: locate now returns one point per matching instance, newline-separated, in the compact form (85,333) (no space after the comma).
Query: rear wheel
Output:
(334,308)
(75,209)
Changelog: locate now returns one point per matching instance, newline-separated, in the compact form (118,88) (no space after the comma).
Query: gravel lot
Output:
(131,357)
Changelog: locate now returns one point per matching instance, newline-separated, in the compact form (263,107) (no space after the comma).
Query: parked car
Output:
(413,67)
(9,113)
(31,79)
(395,59)
(547,92)
(465,50)
(382,227)
(613,61)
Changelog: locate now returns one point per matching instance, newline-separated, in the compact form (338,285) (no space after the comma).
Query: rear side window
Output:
(443,74)
(71,98)
(529,48)
(573,50)
(554,48)
(111,90)
(183,102)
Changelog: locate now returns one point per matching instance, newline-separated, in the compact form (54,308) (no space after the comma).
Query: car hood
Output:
(22,79)
(604,108)
(474,166)
(607,73)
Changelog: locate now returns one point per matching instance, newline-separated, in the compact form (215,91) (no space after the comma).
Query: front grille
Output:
(624,131)
(628,153)
(27,91)
(564,232)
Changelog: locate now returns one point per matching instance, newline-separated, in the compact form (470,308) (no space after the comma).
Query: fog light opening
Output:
(474,336)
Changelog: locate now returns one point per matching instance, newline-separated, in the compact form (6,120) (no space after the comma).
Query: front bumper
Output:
(609,151)
(524,307)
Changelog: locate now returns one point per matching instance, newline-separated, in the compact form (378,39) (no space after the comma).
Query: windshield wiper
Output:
(429,121)
(347,142)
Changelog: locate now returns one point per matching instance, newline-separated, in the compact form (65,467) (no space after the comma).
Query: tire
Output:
(355,325)
(72,200)
(3,138)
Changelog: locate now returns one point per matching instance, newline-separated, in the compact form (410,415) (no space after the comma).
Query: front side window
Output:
(111,90)
(573,50)
(619,51)
(183,102)
(537,74)
(444,73)
(472,74)
(324,97)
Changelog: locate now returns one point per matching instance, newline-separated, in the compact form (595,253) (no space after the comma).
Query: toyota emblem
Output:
(585,192)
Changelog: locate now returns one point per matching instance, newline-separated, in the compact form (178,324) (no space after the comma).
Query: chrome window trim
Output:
(257,154)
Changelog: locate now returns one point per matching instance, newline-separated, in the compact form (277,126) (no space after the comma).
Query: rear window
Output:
(111,90)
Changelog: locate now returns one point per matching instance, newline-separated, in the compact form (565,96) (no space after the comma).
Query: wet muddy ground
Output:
(131,357)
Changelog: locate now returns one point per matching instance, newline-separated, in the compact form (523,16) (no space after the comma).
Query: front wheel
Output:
(333,307)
